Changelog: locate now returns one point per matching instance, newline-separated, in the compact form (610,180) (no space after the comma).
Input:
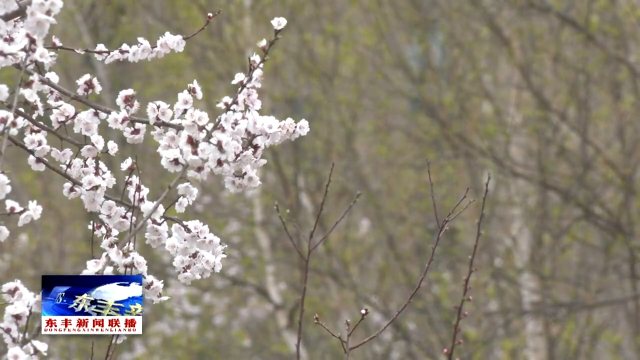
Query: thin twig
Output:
(465,297)
(115,344)
(433,196)
(461,211)
(441,231)
(444,225)
(347,325)
(363,315)
(307,259)
(286,230)
(453,210)
(322,239)
(324,199)
(305,280)
(317,321)
(346,348)
(106,357)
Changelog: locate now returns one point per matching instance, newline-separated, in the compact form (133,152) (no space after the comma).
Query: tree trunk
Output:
(521,237)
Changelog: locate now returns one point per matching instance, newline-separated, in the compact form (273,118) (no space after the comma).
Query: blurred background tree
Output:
(541,94)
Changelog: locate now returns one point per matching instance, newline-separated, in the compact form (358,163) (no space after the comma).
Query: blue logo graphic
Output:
(92,295)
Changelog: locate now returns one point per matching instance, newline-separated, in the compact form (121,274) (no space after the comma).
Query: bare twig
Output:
(465,292)
(363,314)
(413,293)
(286,230)
(306,257)
(316,320)
(433,196)
(441,230)
(347,349)
(347,325)
(111,341)
(322,239)
(111,350)
(324,199)
(463,209)
(305,280)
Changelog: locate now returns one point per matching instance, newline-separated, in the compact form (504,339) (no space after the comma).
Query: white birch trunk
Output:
(279,312)
(520,235)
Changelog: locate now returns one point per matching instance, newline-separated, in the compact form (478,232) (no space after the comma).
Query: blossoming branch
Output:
(192,145)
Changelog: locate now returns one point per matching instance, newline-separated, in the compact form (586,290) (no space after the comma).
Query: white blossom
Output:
(12,206)
(87,85)
(5,188)
(112,147)
(34,211)
(238,78)
(195,90)
(4,233)
(127,164)
(279,23)
(4,92)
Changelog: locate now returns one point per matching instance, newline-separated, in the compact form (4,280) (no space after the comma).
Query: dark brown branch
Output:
(75,182)
(307,261)
(42,126)
(83,100)
(465,292)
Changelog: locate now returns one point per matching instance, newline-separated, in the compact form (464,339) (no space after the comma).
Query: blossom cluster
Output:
(21,303)
(190,143)
(32,212)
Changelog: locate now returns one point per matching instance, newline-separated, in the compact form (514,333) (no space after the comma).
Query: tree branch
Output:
(465,297)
